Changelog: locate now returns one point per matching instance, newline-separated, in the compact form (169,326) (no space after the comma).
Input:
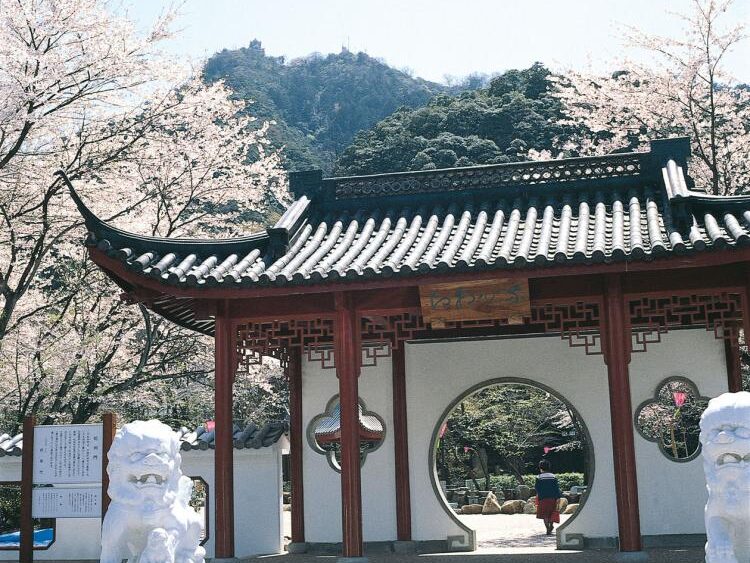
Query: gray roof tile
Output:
(248,437)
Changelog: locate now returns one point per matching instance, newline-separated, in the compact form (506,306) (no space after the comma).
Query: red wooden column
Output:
(109,429)
(294,373)
(734,366)
(347,349)
(26,551)
(616,335)
(401,445)
(225,364)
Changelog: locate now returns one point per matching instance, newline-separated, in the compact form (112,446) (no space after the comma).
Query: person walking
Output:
(547,494)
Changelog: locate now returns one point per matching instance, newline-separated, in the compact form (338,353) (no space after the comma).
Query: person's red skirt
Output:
(546,509)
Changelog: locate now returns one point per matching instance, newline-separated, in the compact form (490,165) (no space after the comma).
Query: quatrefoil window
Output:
(671,419)
(324,432)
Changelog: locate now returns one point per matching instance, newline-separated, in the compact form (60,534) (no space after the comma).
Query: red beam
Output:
(109,428)
(401,445)
(729,276)
(311,305)
(116,268)
(223,454)
(294,372)
(346,335)
(616,340)
(26,552)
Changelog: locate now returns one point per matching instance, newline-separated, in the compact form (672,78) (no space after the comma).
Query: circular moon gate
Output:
(432,461)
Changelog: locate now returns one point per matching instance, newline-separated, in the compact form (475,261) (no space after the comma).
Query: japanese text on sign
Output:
(475,300)
(57,502)
(69,453)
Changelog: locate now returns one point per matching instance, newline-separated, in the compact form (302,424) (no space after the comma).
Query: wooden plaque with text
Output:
(475,300)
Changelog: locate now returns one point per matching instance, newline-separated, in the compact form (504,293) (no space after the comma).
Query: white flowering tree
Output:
(685,90)
(150,149)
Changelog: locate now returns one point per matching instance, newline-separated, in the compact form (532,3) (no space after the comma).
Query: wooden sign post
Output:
(69,454)
(26,553)
(503,298)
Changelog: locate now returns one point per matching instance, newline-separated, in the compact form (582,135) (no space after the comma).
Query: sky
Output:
(434,38)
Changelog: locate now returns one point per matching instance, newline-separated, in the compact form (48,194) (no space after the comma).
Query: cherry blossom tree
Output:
(686,90)
(151,149)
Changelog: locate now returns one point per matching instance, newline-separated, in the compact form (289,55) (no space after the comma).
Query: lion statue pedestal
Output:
(149,519)
(725,437)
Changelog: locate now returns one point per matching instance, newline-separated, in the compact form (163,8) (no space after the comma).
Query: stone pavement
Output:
(516,555)
(504,539)
(499,531)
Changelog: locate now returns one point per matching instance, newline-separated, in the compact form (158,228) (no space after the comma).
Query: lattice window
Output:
(577,323)
(276,338)
(651,317)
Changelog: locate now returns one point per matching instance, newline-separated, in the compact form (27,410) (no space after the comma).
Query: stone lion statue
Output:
(149,520)
(725,437)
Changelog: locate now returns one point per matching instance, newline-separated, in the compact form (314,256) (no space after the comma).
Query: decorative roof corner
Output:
(674,148)
(93,223)
(306,183)
(287,226)
(140,250)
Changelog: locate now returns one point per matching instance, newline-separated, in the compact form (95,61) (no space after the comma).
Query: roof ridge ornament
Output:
(613,168)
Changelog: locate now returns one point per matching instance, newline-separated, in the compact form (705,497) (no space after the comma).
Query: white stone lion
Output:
(149,519)
(725,437)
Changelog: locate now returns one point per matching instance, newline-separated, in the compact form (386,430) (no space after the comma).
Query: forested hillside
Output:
(501,123)
(321,101)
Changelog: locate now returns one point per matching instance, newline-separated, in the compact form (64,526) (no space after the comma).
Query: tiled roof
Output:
(11,445)
(619,207)
(249,437)
(332,424)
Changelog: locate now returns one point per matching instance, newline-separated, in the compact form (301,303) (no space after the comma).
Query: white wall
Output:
(672,495)
(75,538)
(438,372)
(323,484)
(258,525)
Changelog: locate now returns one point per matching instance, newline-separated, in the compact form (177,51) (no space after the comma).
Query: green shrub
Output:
(566,480)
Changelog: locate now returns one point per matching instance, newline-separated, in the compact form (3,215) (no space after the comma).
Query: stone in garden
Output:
(562,504)
(725,437)
(570,509)
(471,509)
(491,506)
(523,492)
(512,507)
(529,507)
(149,519)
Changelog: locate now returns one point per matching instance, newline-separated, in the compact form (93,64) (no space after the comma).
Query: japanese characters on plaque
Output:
(68,453)
(62,502)
(475,300)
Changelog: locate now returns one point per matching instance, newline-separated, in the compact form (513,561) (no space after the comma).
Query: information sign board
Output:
(67,453)
(66,502)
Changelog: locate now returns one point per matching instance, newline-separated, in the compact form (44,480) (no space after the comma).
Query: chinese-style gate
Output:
(616,251)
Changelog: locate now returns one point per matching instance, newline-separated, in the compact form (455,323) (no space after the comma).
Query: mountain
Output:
(320,102)
(492,125)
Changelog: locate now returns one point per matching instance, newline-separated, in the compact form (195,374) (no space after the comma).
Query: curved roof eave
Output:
(120,238)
